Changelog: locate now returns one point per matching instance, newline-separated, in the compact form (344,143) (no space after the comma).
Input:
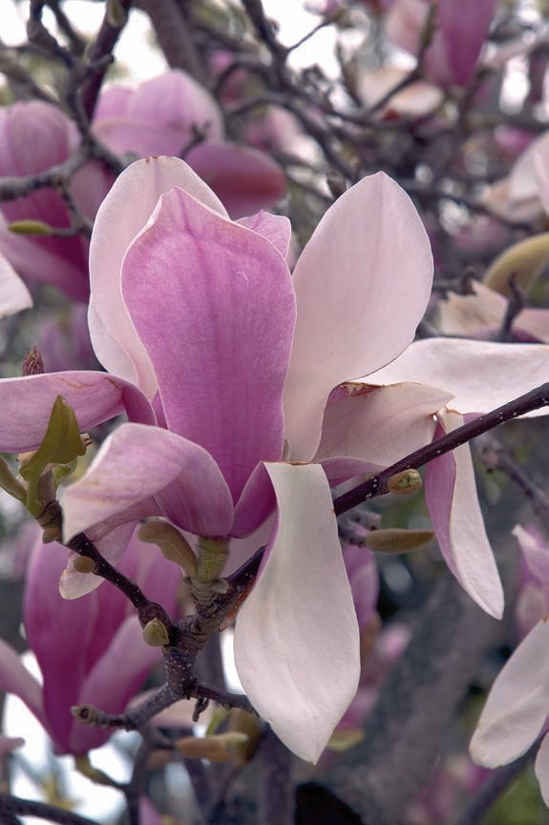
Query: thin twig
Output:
(29,807)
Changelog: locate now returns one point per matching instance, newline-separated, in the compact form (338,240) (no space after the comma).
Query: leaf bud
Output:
(221,747)
(83,564)
(155,633)
(30,227)
(172,544)
(396,540)
(403,483)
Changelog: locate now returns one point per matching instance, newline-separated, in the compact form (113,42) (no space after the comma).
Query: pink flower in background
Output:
(89,651)
(460,32)
(34,137)
(161,118)
(158,118)
(533,591)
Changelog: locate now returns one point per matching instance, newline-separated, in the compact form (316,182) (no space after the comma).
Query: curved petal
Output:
(480,375)
(16,679)
(451,497)
(115,678)
(213,304)
(122,215)
(59,634)
(381,425)
(276,228)
(362,285)
(14,295)
(26,404)
(542,766)
(471,314)
(143,470)
(518,704)
(296,637)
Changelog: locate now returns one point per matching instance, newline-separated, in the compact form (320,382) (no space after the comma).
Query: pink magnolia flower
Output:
(160,118)
(89,651)
(34,137)
(230,398)
(157,118)
(460,32)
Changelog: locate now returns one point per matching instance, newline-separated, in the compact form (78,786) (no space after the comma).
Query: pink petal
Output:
(26,404)
(122,215)
(116,677)
(296,638)
(517,707)
(471,314)
(214,306)
(481,375)
(380,426)
(256,503)
(464,28)
(142,471)
(536,554)
(245,180)
(111,539)
(16,679)
(59,633)
(14,295)
(177,101)
(451,497)
(276,228)
(362,285)
(541,166)
(542,769)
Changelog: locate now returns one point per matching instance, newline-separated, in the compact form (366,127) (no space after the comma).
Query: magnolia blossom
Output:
(460,32)
(160,117)
(237,409)
(89,651)
(516,712)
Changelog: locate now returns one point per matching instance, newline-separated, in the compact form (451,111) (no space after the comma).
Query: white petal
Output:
(518,704)
(296,638)
(362,285)
(451,497)
(14,295)
(480,374)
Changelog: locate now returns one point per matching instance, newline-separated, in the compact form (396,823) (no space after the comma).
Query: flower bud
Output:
(155,633)
(396,540)
(403,483)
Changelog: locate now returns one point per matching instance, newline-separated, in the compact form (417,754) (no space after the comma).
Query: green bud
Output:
(172,544)
(395,540)
(524,260)
(9,483)
(30,227)
(344,739)
(403,483)
(221,747)
(82,564)
(155,633)
(60,445)
(212,557)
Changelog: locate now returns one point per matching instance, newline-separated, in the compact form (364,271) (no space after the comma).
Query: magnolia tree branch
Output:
(107,37)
